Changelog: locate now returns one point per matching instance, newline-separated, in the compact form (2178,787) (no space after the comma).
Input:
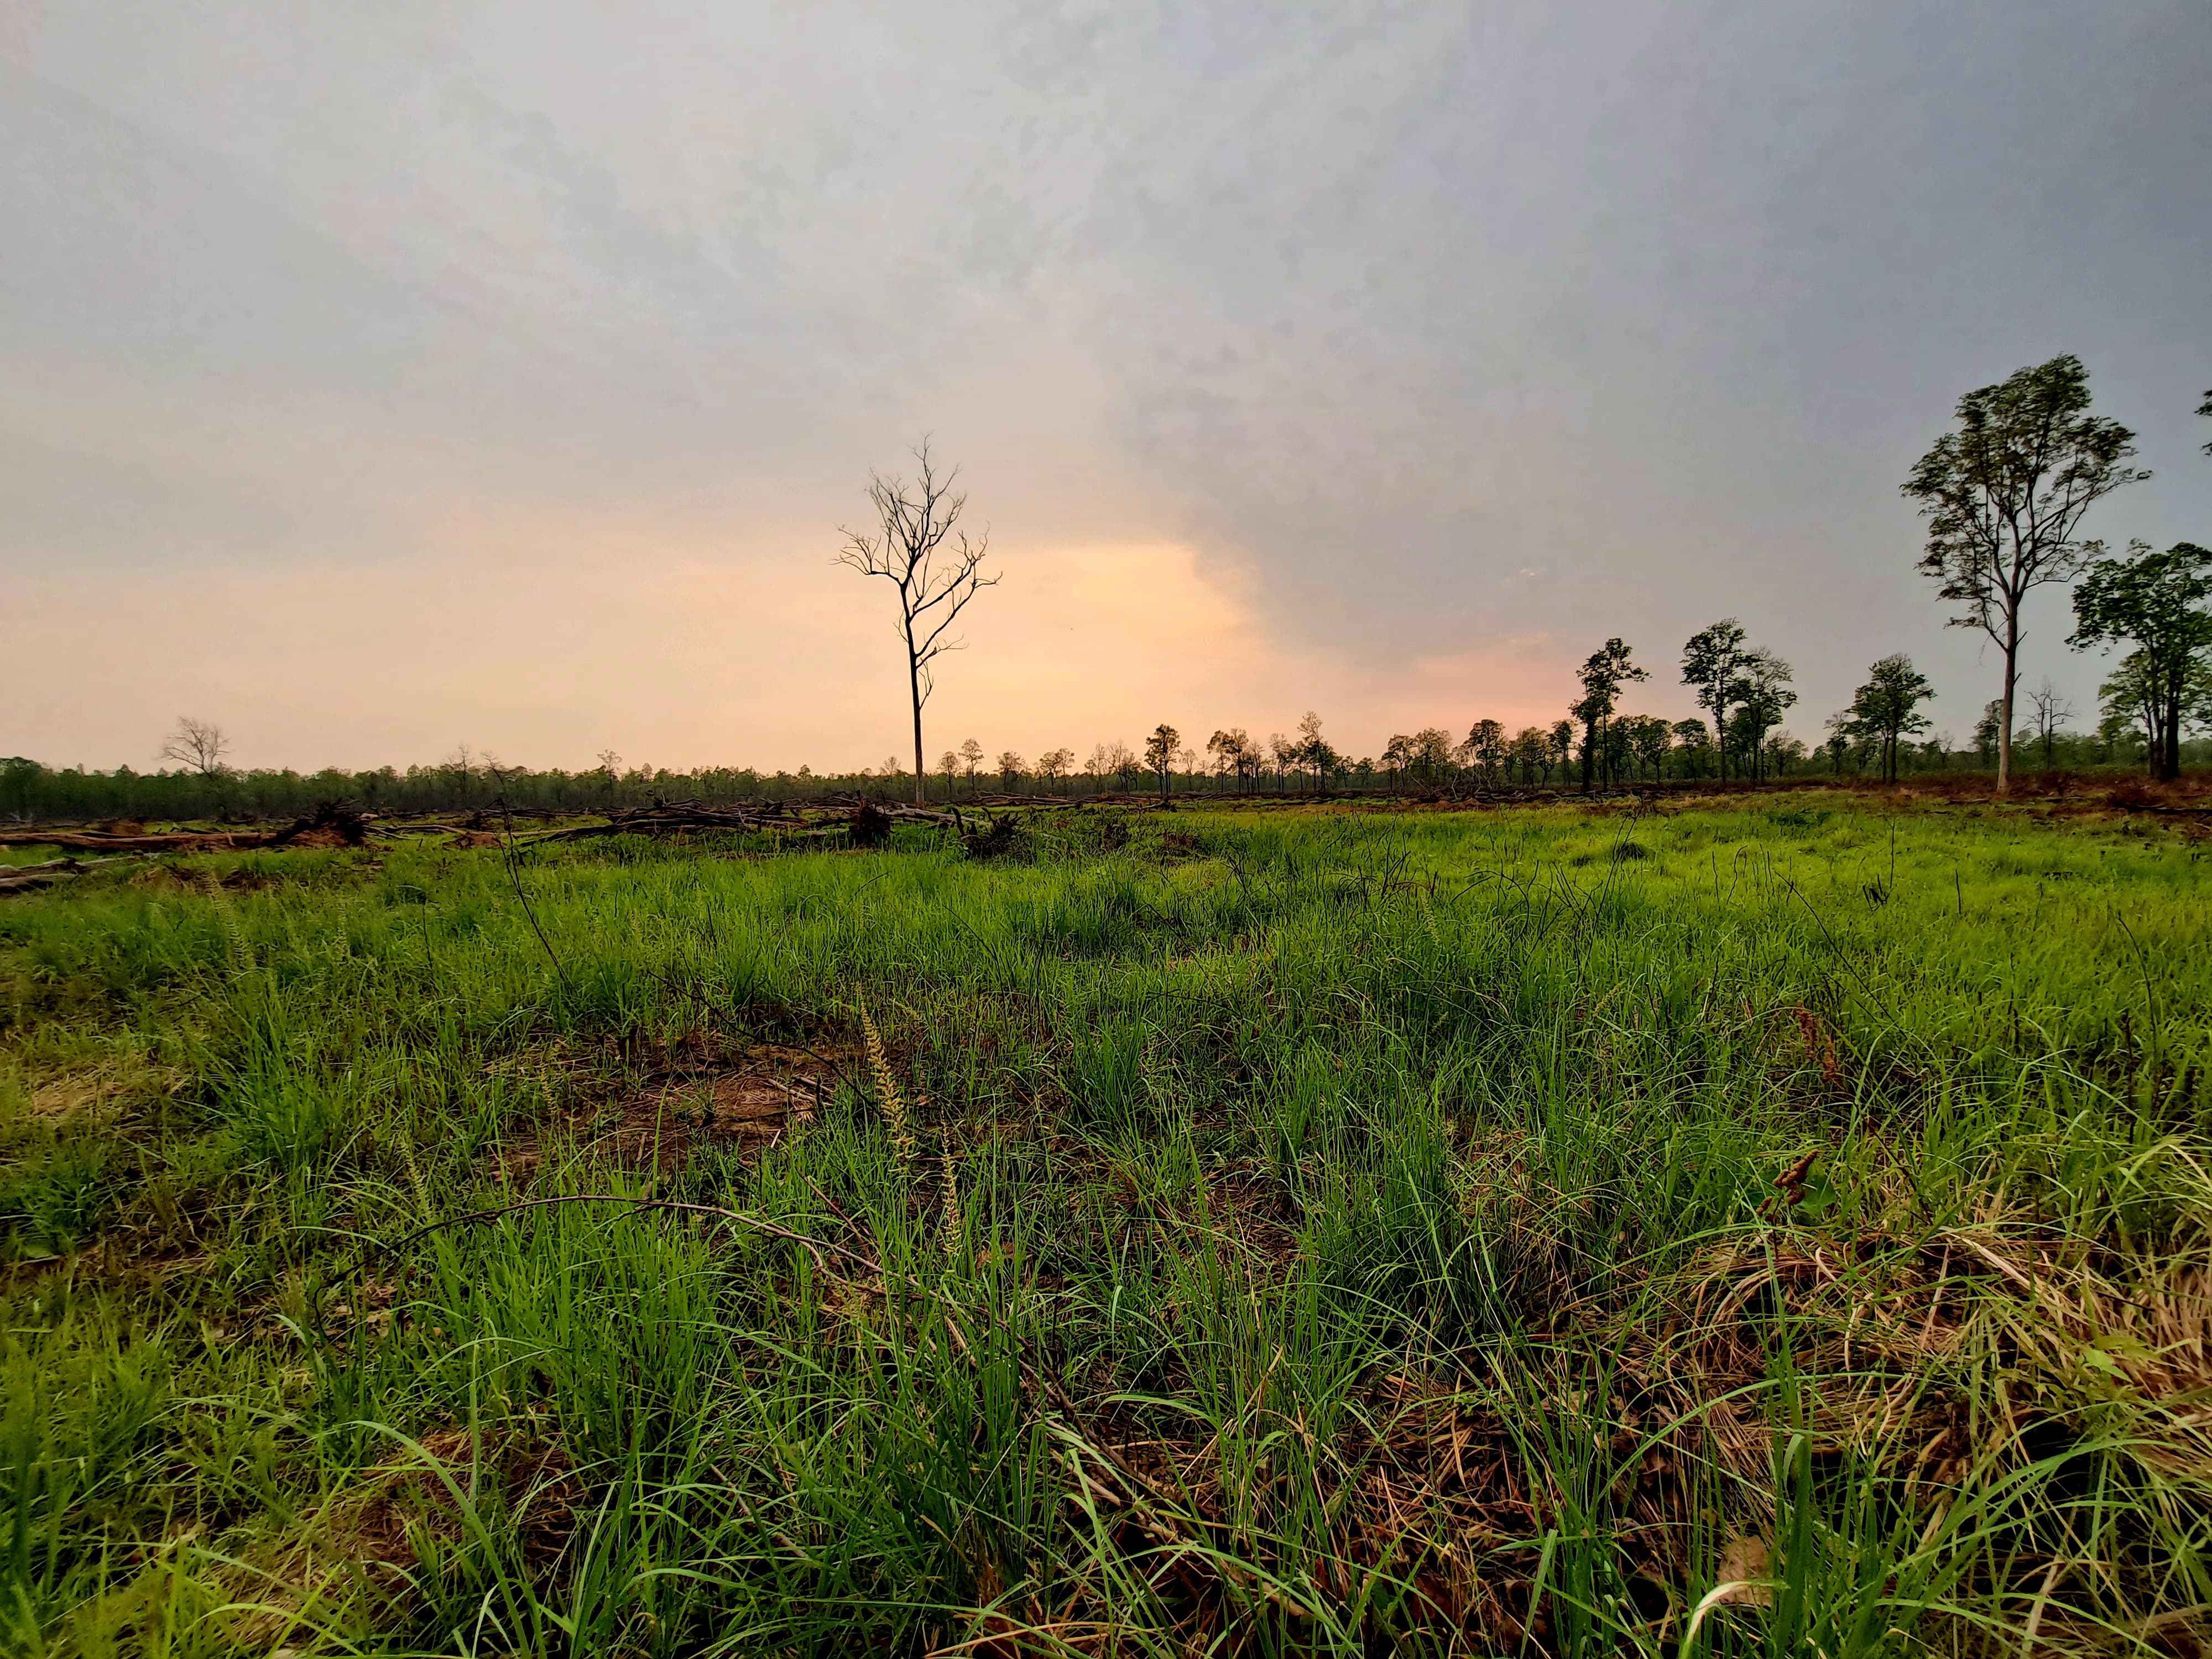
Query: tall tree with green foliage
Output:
(1782,752)
(2003,495)
(1532,753)
(2133,695)
(1312,750)
(1234,753)
(1325,760)
(1562,739)
(1692,743)
(1603,673)
(1160,752)
(18,774)
(2157,603)
(1647,738)
(1486,747)
(1429,752)
(1113,760)
(1712,664)
(1762,697)
(1886,707)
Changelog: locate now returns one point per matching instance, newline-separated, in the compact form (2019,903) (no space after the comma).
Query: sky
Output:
(379,379)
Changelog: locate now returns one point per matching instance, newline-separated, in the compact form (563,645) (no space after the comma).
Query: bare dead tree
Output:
(2052,711)
(200,744)
(918,547)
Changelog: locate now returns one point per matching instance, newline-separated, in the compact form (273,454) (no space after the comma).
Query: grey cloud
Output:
(1659,300)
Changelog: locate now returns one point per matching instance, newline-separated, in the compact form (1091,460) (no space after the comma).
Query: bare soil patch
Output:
(677,1116)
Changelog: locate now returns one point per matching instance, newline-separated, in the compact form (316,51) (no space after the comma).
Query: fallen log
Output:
(182,840)
(657,824)
(24,883)
(22,877)
(68,866)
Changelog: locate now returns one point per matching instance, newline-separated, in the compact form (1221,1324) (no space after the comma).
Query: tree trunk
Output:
(914,692)
(2004,711)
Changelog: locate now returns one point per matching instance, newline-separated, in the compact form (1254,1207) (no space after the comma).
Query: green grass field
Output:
(1777,1229)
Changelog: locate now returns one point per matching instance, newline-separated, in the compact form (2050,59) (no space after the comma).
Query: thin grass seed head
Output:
(888,1098)
(233,931)
(952,1222)
(415,1175)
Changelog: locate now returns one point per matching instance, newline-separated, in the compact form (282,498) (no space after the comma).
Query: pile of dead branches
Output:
(334,824)
(865,824)
(857,823)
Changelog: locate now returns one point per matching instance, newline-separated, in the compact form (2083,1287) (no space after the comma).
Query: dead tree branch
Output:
(918,547)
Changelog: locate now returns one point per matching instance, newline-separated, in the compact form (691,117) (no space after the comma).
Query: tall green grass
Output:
(1291,1233)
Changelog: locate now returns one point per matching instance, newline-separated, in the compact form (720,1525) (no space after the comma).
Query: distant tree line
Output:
(2004,494)
(1880,736)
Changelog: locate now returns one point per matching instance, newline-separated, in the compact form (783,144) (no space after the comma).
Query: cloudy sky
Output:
(376,379)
